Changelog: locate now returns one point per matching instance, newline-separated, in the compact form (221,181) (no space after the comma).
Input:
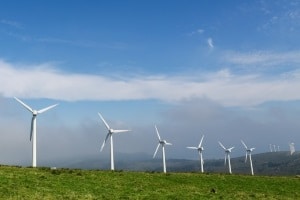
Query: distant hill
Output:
(271,163)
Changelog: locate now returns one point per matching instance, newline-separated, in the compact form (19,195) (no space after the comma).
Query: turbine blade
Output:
(104,142)
(120,131)
(246,157)
(104,121)
(230,148)
(244,144)
(25,105)
(157,133)
(192,148)
(225,159)
(156,150)
(201,142)
(31,127)
(222,145)
(45,109)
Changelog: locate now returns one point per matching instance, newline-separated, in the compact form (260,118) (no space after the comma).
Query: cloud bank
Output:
(222,86)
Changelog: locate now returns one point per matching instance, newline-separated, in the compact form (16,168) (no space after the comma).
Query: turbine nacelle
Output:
(247,149)
(250,150)
(229,150)
(110,131)
(164,142)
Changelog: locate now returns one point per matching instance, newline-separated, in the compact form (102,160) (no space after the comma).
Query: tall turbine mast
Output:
(248,152)
(33,126)
(227,155)
(200,150)
(292,148)
(161,143)
(109,135)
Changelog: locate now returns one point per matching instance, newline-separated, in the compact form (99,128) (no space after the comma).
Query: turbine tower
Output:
(200,149)
(33,126)
(227,156)
(109,135)
(292,148)
(248,152)
(161,143)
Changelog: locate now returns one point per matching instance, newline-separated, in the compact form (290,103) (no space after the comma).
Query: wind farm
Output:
(139,84)
(162,143)
(143,174)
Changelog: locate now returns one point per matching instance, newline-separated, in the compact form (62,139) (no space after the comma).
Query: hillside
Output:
(271,163)
(44,183)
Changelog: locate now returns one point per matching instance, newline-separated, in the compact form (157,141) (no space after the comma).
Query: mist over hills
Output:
(271,163)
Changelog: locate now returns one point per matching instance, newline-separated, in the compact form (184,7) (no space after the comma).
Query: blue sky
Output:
(226,69)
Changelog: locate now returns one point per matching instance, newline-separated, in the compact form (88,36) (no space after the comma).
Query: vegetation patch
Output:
(46,183)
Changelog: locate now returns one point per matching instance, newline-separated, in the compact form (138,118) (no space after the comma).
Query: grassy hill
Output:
(44,183)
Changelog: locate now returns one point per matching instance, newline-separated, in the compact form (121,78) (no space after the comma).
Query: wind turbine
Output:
(292,148)
(227,155)
(161,143)
(33,126)
(200,149)
(109,135)
(248,152)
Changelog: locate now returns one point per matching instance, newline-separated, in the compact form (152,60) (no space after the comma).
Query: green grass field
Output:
(44,183)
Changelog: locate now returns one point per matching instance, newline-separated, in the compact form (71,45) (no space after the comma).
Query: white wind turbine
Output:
(109,135)
(33,127)
(161,143)
(292,148)
(200,149)
(227,156)
(248,152)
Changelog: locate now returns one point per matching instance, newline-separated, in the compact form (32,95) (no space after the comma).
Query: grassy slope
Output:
(43,183)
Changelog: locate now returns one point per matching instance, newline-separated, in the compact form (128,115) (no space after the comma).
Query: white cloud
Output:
(263,58)
(10,23)
(210,43)
(198,31)
(228,89)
